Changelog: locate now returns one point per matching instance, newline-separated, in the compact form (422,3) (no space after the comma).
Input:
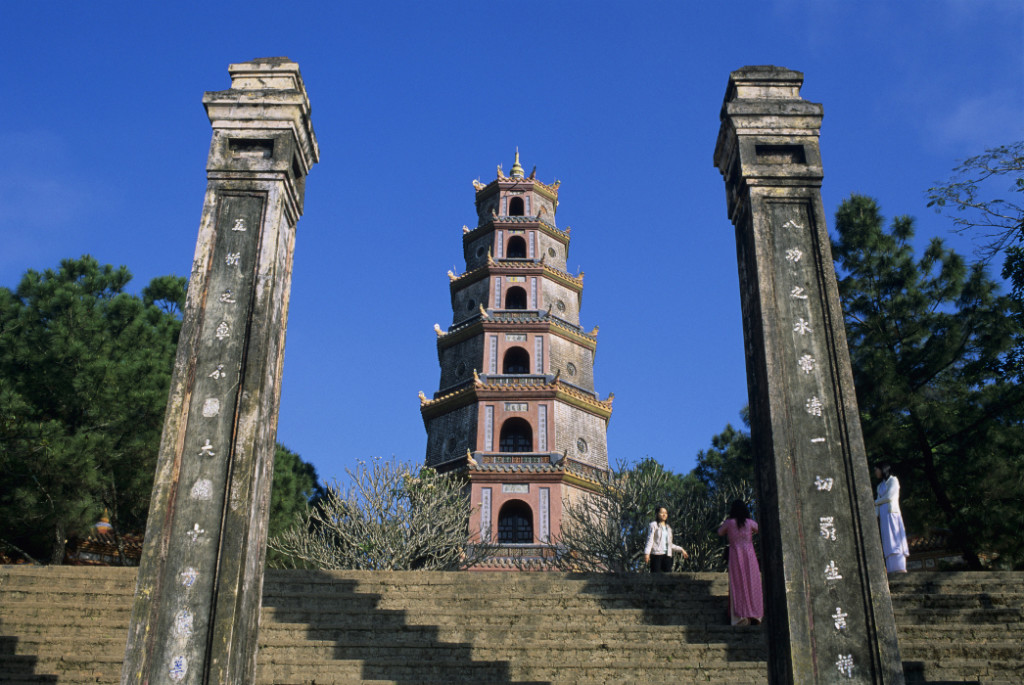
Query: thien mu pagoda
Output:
(516,410)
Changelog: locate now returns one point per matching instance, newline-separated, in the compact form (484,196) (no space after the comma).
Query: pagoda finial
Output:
(517,170)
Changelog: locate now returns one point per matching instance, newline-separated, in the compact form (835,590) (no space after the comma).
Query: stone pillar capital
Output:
(266,94)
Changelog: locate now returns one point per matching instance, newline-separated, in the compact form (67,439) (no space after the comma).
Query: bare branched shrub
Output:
(606,530)
(388,518)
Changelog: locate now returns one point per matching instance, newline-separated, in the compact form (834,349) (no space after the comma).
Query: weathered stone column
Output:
(196,612)
(828,612)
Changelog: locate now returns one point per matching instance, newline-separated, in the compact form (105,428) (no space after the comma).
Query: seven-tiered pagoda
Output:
(516,409)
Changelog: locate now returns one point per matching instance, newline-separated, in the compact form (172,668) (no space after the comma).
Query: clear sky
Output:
(103,143)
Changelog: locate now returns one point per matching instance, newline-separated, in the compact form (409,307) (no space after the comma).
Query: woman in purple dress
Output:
(745,603)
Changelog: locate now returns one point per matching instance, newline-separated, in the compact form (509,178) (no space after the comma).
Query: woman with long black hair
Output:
(659,547)
(746,604)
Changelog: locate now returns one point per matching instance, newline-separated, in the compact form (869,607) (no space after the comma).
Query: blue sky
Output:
(104,142)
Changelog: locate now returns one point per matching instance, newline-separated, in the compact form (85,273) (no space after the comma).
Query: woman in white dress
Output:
(890,520)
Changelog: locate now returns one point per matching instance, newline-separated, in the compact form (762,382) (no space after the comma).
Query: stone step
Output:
(23,664)
(345,634)
(507,606)
(521,618)
(597,651)
(926,650)
(65,597)
(973,671)
(565,672)
(957,632)
(32,609)
(937,581)
(489,598)
(946,616)
(61,576)
(98,644)
(960,599)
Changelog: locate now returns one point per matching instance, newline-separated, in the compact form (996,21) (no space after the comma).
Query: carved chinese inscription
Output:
(801,300)
(210,428)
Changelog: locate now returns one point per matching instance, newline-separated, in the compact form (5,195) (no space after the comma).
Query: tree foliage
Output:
(386,518)
(976,200)
(84,375)
(729,461)
(85,369)
(929,338)
(296,487)
(983,197)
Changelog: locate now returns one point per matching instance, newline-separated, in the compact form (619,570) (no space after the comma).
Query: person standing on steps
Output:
(746,604)
(659,547)
(890,520)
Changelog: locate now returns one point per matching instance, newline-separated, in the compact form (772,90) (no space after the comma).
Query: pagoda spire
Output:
(517,170)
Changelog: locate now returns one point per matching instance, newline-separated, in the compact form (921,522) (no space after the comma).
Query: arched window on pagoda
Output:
(515,207)
(515,298)
(516,436)
(517,360)
(515,523)
(516,247)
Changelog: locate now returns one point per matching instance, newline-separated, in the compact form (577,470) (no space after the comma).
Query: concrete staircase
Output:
(960,627)
(68,625)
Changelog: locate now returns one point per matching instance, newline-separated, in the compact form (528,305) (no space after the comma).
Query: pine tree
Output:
(84,375)
(928,341)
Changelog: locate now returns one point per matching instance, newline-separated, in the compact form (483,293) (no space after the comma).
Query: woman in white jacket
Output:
(890,520)
(659,547)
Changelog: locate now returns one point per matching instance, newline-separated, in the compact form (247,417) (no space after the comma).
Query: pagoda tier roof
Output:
(510,181)
(506,266)
(550,229)
(497,320)
(564,468)
(505,388)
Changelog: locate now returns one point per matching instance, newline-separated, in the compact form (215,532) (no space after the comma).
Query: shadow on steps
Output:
(408,627)
(343,623)
(19,668)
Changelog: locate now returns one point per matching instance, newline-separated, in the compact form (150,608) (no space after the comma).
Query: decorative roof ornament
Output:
(517,170)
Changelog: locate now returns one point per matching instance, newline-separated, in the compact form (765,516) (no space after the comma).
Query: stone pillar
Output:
(828,612)
(196,611)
